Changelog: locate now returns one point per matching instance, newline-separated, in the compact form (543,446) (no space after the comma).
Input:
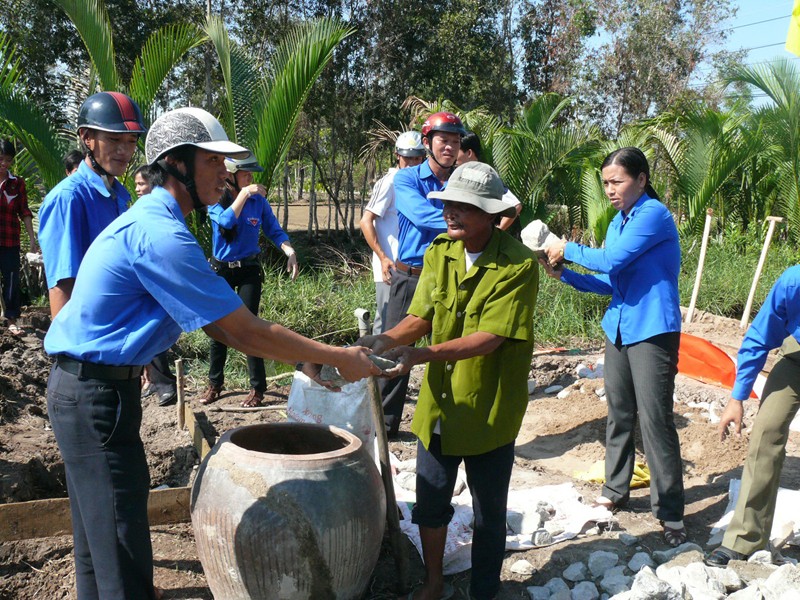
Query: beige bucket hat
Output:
(478,184)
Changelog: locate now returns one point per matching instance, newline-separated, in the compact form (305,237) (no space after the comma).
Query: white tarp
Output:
(571,515)
(786,515)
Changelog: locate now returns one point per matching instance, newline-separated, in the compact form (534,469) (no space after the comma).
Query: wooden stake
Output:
(700,263)
(395,534)
(181,398)
(762,259)
(392,518)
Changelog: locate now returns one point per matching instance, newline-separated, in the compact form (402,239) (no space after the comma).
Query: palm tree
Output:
(540,156)
(779,125)
(707,153)
(262,104)
(34,127)
(25,121)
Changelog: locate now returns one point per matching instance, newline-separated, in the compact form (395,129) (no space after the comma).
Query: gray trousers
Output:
(393,391)
(750,527)
(640,382)
(381,301)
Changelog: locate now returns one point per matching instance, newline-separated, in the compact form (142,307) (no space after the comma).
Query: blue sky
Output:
(759,27)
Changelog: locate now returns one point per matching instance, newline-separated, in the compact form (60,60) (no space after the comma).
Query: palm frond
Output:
(91,20)
(160,53)
(22,119)
(218,34)
(296,65)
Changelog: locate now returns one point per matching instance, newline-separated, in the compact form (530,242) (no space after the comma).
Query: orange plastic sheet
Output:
(702,360)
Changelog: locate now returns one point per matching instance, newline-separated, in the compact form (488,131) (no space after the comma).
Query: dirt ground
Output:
(559,438)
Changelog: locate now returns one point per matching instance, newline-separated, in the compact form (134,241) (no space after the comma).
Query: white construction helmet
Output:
(248,163)
(409,143)
(189,127)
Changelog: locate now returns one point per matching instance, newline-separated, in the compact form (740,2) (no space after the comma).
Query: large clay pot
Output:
(288,511)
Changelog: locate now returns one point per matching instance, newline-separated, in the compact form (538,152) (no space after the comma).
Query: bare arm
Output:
(371,237)
(407,331)
(241,199)
(60,295)
(252,336)
(505,222)
(28,222)
(479,343)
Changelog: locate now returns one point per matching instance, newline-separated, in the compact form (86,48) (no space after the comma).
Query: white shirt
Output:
(382,205)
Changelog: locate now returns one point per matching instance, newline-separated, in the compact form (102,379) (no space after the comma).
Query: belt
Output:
(407,269)
(89,370)
(250,261)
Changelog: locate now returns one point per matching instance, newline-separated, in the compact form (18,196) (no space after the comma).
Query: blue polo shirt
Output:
(143,280)
(256,215)
(72,215)
(778,318)
(639,268)
(419,219)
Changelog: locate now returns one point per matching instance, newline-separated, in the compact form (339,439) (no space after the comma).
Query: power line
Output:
(747,64)
(766,46)
(751,24)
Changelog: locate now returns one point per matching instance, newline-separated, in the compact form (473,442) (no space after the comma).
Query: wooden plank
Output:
(196,433)
(51,517)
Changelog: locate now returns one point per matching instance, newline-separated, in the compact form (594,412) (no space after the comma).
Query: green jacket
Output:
(481,400)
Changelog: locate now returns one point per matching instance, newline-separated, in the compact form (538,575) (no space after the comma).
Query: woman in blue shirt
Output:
(236,223)
(638,268)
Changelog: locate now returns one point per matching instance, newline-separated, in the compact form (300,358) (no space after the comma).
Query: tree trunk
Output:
(301,179)
(312,196)
(286,194)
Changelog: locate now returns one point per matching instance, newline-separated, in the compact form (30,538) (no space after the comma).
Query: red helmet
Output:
(442,121)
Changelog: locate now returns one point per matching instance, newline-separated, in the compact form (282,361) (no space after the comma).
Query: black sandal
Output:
(674,536)
(720,557)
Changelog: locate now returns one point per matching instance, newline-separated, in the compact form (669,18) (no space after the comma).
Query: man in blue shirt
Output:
(143,281)
(235,225)
(83,204)
(776,324)
(419,220)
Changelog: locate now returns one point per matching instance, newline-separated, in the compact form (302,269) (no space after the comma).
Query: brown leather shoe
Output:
(254,398)
(211,394)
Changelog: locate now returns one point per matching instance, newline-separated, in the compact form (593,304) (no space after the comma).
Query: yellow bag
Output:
(596,474)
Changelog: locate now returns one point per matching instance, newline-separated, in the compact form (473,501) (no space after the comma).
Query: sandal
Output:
(13,329)
(674,536)
(211,394)
(720,557)
(254,398)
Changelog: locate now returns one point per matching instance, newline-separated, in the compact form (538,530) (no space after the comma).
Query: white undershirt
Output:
(471,257)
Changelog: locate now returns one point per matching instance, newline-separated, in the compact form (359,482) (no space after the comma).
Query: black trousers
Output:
(393,391)
(488,477)
(640,383)
(245,281)
(96,423)
(9,271)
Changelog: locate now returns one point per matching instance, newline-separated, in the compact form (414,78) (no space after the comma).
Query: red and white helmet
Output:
(442,121)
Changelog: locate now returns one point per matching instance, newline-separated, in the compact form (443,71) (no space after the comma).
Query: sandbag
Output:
(349,409)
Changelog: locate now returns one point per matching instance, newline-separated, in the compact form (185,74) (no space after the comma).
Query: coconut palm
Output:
(539,156)
(779,125)
(262,104)
(707,153)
